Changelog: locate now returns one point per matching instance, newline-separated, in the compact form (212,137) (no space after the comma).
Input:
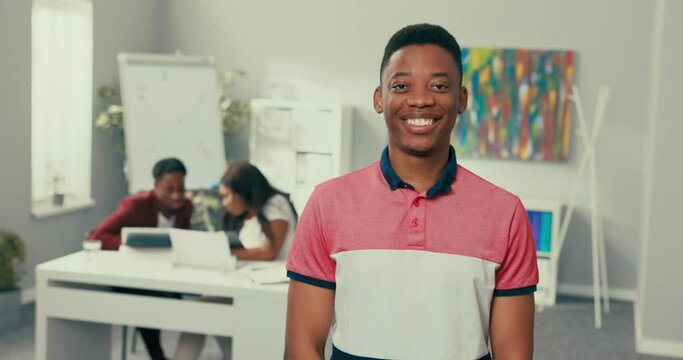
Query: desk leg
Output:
(261,334)
(60,339)
(41,325)
(68,339)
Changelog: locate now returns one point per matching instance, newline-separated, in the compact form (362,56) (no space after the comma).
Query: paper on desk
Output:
(266,274)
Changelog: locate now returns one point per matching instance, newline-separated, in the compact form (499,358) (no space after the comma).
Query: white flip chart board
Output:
(171,109)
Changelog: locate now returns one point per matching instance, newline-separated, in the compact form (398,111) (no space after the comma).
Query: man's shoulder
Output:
(188,207)
(142,202)
(476,186)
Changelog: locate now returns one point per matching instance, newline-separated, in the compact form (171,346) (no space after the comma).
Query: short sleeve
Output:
(277,208)
(518,273)
(309,259)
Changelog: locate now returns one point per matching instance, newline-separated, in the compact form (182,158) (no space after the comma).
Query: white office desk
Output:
(75,306)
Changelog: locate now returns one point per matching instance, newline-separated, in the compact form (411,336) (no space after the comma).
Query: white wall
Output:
(330,51)
(659,315)
(121,25)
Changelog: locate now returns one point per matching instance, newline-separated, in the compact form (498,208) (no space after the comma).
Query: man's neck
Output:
(167,213)
(422,172)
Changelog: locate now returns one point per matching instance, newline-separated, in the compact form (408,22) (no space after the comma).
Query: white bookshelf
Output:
(547,260)
(298,144)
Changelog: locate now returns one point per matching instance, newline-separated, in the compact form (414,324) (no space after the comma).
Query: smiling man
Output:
(414,256)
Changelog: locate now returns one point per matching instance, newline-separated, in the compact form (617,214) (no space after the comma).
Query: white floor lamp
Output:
(600,286)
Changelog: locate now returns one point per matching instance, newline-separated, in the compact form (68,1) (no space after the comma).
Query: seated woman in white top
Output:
(264,218)
(262,215)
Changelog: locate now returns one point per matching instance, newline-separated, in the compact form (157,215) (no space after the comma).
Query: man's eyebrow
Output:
(399,74)
(441,74)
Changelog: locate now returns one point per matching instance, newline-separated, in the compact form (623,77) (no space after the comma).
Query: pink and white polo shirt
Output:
(413,273)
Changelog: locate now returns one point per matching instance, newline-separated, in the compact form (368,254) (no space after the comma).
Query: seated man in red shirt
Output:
(163,206)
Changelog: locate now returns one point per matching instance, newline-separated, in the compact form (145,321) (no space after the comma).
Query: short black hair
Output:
(167,166)
(422,34)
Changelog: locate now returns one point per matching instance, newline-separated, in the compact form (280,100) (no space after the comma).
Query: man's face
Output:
(421,98)
(170,190)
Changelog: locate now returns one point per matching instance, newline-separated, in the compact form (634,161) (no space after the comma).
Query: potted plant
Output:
(234,113)
(57,192)
(56,182)
(12,255)
(207,212)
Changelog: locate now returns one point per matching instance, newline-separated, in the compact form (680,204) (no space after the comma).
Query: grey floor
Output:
(564,331)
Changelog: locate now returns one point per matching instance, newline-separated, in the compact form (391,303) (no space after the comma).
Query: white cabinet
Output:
(545,216)
(298,145)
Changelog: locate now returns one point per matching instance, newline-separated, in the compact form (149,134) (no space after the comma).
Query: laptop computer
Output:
(140,237)
(201,249)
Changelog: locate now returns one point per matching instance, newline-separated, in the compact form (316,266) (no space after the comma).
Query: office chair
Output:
(124,341)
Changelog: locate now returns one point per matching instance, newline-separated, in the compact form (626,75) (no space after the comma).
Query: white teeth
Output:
(420,122)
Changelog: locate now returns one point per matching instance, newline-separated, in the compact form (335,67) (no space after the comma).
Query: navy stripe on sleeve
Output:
(311,281)
(513,292)
(340,355)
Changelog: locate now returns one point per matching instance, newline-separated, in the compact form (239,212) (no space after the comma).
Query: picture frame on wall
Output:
(518,106)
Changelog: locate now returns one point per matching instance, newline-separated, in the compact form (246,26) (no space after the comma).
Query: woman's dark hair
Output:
(246,180)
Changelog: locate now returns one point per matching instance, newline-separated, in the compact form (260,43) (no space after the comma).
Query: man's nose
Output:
(421,98)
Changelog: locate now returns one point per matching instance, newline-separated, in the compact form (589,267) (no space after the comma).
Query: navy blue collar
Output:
(442,186)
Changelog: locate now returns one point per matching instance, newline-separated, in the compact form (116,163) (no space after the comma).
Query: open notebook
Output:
(266,273)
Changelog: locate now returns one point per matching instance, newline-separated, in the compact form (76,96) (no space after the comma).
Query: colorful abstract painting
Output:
(518,104)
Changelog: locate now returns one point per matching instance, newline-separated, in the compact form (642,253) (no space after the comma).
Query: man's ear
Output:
(462,100)
(377,100)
